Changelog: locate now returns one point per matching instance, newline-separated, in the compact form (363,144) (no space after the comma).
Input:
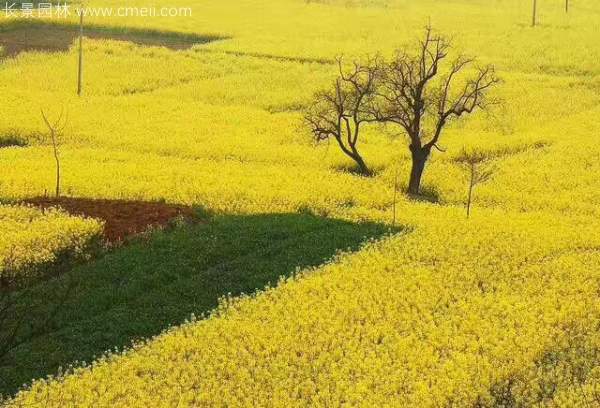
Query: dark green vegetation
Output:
(27,35)
(137,291)
(12,139)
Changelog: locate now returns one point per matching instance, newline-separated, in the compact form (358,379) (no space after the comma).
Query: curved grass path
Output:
(138,291)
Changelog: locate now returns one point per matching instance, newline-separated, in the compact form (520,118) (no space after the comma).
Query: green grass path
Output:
(139,290)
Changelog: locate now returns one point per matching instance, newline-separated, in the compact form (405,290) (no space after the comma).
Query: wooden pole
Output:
(80,68)
(534,19)
(566,6)
(395,198)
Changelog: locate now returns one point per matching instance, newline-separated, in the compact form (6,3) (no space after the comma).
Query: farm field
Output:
(309,284)
(30,236)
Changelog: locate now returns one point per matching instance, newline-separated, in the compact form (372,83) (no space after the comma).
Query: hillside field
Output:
(301,282)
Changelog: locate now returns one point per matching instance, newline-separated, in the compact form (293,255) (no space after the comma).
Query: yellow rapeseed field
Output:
(31,237)
(501,309)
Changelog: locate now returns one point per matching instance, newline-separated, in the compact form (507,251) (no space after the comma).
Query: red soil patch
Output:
(122,218)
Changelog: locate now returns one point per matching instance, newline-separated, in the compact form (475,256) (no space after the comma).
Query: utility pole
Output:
(80,70)
(534,20)
(395,198)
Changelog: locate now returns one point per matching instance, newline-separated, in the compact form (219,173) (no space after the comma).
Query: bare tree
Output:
(415,95)
(478,176)
(478,171)
(56,130)
(340,112)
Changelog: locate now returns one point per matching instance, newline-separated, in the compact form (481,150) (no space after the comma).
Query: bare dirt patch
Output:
(123,219)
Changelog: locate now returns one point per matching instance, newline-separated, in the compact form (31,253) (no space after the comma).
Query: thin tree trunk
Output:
(419,158)
(471,184)
(566,6)
(57,159)
(57,176)
(534,19)
(352,152)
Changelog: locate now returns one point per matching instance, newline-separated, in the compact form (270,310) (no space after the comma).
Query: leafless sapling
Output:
(340,112)
(55,133)
(421,98)
(478,172)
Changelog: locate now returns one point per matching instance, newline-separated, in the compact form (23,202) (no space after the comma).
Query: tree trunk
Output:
(470,198)
(362,165)
(419,158)
(57,160)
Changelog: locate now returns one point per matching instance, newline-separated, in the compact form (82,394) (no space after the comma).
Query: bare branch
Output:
(415,95)
(340,113)
(472,96)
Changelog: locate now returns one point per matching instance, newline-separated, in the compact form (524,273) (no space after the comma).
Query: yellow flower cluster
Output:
(31,237)
(495,310)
